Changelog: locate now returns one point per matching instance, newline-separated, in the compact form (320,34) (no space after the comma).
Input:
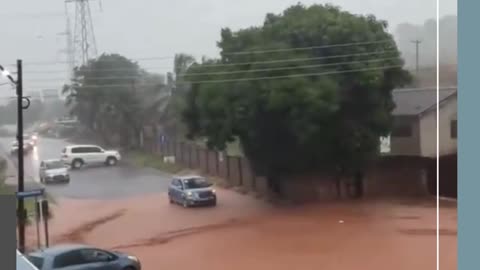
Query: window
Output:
(78,150)
(193,183)
(95,255)
(177,183)
(453,129)
(68,259)
(95,150)
(54,165)
(36,260)
(402,130)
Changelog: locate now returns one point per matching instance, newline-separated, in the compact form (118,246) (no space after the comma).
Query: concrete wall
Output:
(389,177)
(397,176)
(428,130)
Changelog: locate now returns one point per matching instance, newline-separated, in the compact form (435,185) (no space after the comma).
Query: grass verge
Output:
(143,159)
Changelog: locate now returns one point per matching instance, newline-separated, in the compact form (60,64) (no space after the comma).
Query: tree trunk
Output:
(274,184)
(358,184)
(338,183)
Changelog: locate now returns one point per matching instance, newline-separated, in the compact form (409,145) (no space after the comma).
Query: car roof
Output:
(186,177)
(51,160)
(81,145)
(58,249)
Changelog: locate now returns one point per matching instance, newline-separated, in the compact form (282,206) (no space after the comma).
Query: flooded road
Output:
(243,233)
(89,183)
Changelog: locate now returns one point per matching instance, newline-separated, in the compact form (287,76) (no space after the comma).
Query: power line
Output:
(241,71)
(307,48)
(287,68)
(233,80)
(240,52)
(258,78)
(294,59)
(267,62)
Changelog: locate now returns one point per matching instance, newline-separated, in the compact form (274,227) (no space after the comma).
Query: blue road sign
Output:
(30,193)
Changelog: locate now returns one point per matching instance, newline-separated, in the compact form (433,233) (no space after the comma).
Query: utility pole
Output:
(417,44)
(21,212)
(21,207)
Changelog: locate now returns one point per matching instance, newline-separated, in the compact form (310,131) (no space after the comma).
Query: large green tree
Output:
(309,90)
(112,95)
(171,117)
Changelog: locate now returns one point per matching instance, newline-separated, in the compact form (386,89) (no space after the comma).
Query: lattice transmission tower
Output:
(84,44)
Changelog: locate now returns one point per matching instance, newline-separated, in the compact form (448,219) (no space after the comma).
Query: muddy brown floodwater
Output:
(243,233)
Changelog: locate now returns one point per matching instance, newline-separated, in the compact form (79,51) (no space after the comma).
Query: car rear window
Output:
(36,260)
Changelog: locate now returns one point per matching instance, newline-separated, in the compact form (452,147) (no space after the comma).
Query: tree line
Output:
(310,90)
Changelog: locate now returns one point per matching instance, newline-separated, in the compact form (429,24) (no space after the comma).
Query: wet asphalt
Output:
(93,183)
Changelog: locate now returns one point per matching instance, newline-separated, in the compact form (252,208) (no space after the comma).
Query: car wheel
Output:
(214,203)
(111,161)
(77,164)
(129,268)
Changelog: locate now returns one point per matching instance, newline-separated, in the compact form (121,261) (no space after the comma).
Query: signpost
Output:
(41,210)
(385,145)
(30,193)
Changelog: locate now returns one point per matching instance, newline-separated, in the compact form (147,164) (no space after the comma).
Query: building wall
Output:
(406,146)
(428,130)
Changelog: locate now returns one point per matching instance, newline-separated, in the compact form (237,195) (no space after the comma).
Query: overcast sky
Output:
(155,28)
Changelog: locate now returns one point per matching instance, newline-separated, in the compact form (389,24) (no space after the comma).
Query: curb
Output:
(446,199)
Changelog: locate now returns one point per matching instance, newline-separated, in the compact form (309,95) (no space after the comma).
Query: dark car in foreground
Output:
(192,191)
(82,257)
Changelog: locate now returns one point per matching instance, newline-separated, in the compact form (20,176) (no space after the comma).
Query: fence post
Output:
(227,159)
(199,162)
(217,166)
(240,171)
(175,150)
(190,163)
(180,156)
(207,161)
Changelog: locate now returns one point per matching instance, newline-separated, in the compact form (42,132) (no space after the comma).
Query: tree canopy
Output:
(112,95)
(309,90)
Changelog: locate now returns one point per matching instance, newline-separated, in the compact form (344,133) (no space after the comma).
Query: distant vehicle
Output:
(82,257)
(192,191)
(53,171)
(29,139)
(79,155)
(34,138)
(27,147)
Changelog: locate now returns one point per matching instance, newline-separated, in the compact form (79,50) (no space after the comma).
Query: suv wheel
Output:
(111,161)
(77,164)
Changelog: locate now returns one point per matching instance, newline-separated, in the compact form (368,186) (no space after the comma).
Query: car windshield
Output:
(193,183)
(54,165)
(36,261)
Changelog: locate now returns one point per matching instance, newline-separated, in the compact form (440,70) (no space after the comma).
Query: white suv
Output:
(78,155)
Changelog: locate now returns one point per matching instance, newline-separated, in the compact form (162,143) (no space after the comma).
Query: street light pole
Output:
(21,212)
